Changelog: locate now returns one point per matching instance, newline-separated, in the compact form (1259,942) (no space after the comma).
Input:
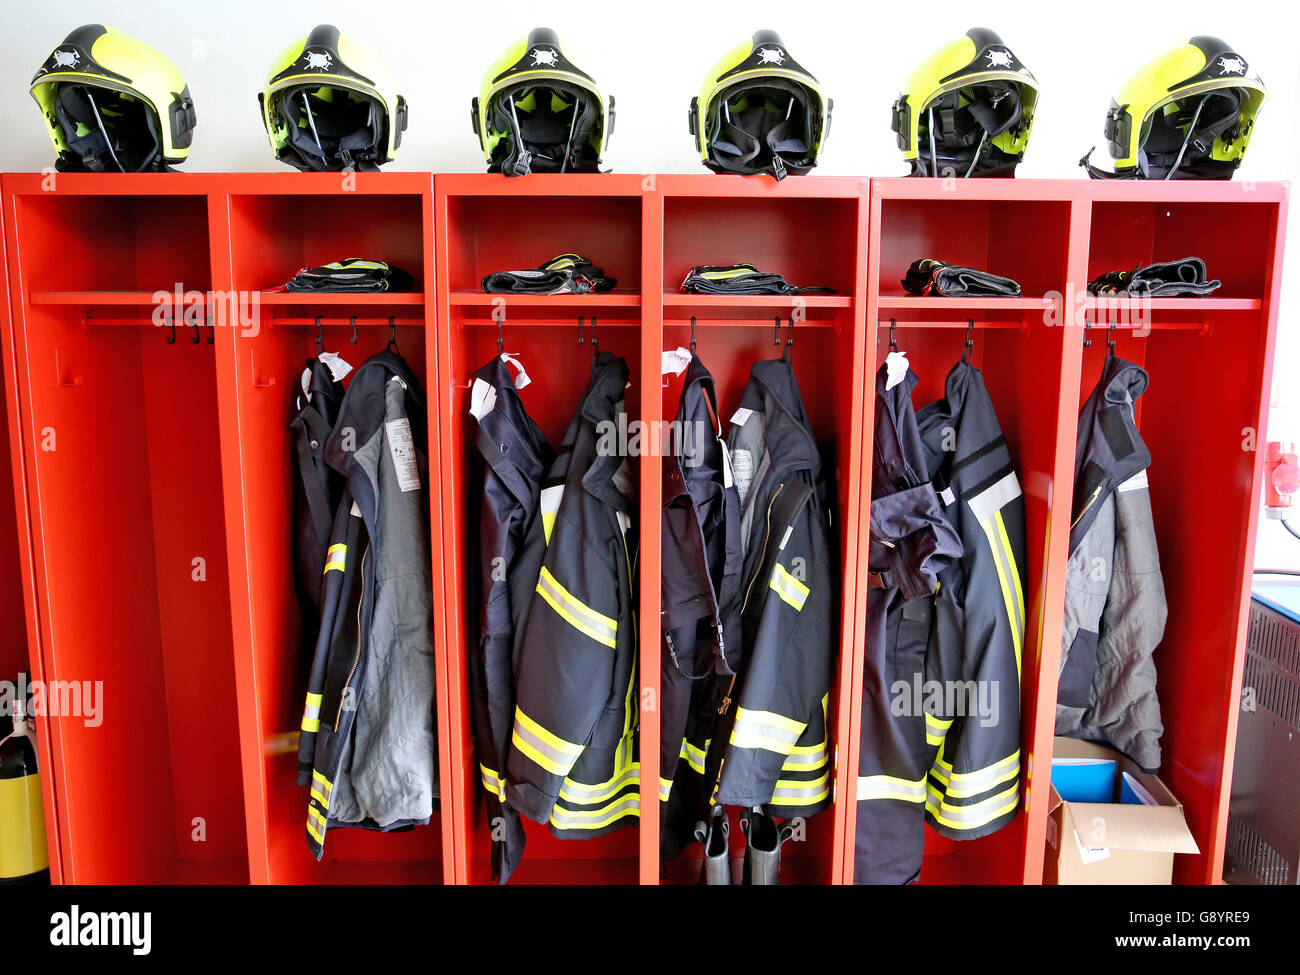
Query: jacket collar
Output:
(789,438)
(602,403)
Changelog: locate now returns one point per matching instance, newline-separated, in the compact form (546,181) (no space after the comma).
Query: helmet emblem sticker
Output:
(66,59)
(545,56)
(770,55)
(1232,66)
(318,60)
(998,59)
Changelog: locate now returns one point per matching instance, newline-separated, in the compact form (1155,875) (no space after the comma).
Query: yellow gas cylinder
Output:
(23,856)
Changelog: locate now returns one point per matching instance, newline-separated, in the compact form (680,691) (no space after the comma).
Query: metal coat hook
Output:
(787,352)
(1087,342)
(776,332)
(320,335)
(1110,339)
(212,329)
(968,350)
(893,343)
(171,325)
(501,341)
(595,346)
(197,337)
(580,339)
(692,334)
(392,333)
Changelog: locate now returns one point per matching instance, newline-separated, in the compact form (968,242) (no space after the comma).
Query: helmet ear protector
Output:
(760,111)
(113,104)
(331,104)
(1188,114)
(967,111)
(538,112)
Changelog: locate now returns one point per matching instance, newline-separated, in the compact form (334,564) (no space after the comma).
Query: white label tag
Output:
(401,447)
(675,361)
(895,369)
(482,397)
(1091,854)
(521,377)
(740,416)
(1137,482)
(337,365)
(947,497)
(786,537)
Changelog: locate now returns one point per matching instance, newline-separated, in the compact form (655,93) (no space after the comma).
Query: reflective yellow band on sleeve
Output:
(694,755)
(551,752)
(891,787)
(765,729)
(563,818)
(975,815)
(588,793)
(790,589)
(964,785)
(315,824)
(801,792)
(665,788)
(584,619)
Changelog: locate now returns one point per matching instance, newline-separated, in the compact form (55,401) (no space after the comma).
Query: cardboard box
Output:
(1110,842)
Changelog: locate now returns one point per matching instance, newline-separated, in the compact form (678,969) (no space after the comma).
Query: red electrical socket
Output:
(1281,475)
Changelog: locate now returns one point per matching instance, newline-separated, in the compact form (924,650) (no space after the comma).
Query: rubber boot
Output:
(763,839)
(716,868)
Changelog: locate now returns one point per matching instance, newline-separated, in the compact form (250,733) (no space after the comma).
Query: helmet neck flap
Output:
(766,126)
(956,130)
(329,128)
(547,128)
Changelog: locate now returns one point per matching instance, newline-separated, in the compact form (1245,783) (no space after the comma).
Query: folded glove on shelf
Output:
(568,274)
(742,279)
(352,274)
(931,277)
(1164,279)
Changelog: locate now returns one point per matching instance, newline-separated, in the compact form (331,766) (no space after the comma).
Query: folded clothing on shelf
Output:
(350,274)
(928,277)
(1164,279)
(742,279)
(568,274)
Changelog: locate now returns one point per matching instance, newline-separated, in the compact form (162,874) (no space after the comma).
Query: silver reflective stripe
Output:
(595,818)
(809,791)
(579,615)
(994,498)
(890,787)
(763,729)
(555,760)
(806,760)
(587,793)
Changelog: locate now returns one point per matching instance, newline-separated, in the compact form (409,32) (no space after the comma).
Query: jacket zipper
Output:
(356,660)
(1095,492)
(762,557)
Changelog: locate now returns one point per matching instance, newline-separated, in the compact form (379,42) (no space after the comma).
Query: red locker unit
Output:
(120,489)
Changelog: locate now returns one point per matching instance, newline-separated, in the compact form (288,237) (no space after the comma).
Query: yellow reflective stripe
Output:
(587,793)
(801,792)
(548,504)
(577,614)
(1019,590)
(315,824)
(963,785)
(552,753)
(738,272)
(695,755)
(325,784)
(1000,559)
(311,713)
(890,787)
(336,557)
(493,782)
(975,815)
(767,730)
(790,589)
(806,758)
(665,788)
(563,818)
(936,729)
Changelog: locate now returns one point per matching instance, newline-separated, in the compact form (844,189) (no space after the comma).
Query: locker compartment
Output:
(512,232)
(1025,240)
(13,646)
(559,368)
(272,668)
(125,479)
(293,230)
(809,241)
(825,362)
(1235,239)
(112,243)
(1203,460)
(1022,365)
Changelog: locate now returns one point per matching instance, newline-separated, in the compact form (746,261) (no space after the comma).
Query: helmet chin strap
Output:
(1191,131)
(108,139)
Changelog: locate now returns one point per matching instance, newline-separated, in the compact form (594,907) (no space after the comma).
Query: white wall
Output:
(652,57)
